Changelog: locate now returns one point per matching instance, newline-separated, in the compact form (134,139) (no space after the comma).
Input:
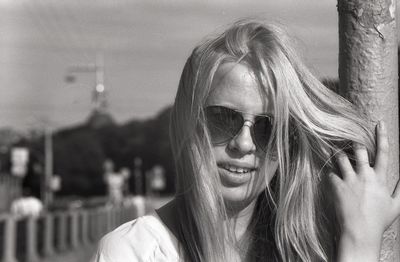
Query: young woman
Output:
(271,165)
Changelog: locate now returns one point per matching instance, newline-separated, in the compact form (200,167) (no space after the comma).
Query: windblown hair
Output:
(293,220)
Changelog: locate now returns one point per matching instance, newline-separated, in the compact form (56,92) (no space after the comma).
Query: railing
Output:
(30,239)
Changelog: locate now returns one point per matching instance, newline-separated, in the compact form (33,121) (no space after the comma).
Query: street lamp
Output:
(98,98)
(47,192)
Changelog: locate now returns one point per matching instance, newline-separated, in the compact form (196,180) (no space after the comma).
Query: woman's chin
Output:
(239,189)
(238,197)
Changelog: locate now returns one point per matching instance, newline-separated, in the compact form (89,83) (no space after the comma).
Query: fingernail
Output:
(381,125)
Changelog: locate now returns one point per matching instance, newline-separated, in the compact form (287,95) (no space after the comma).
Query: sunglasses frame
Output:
(243,123)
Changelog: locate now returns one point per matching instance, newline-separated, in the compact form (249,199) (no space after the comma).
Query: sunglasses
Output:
(224,124)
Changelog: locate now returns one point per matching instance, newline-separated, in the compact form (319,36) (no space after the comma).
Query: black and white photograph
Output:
(199,131)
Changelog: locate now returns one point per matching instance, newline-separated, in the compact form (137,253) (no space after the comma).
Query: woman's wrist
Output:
(359,247)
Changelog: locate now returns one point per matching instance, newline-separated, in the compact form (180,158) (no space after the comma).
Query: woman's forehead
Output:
(235,85)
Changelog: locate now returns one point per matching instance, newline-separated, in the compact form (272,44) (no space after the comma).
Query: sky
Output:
(144,44)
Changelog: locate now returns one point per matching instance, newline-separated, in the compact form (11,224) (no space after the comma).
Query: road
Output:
(79,255)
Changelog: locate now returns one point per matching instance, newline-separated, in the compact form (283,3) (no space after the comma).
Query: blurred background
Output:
(86,89)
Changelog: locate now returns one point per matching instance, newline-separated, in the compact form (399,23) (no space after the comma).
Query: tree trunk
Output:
(368,77)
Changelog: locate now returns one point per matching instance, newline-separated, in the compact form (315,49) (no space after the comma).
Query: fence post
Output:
(48,248)
(115,216)
(74,229)
(84,228)
(108,217)
(111,219)
(122,215)
(62,231)
(9,243)
(118,216)
(99,223)
(31,240)
(92,224)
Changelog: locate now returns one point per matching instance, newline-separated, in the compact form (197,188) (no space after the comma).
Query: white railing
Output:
(30,239)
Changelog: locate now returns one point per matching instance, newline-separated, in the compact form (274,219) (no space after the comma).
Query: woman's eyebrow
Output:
(234,108)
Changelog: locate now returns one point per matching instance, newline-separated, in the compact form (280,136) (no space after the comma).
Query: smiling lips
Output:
(236,169)
(234,176)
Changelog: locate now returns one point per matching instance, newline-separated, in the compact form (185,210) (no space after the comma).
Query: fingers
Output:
(382,152)
(363,166)
(396,197)
(336,181)
(361,154)
(396,192)
(346,169)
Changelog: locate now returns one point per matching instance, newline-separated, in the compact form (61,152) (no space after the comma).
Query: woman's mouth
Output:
(235,169)
(233,176)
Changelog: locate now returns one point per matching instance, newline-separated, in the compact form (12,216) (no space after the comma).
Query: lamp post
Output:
(98,98)
(47,192)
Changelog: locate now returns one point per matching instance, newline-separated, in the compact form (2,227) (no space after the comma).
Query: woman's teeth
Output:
(234,169)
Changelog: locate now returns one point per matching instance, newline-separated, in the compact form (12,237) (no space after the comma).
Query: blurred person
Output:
(126,174)
(271,164)
(27,206)
(115,183)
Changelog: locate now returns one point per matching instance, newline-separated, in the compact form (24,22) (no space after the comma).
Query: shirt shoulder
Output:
(144,239)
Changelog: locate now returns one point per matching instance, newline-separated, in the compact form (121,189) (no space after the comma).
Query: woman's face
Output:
(239,160)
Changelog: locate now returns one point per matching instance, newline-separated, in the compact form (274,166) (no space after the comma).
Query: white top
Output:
(145,239)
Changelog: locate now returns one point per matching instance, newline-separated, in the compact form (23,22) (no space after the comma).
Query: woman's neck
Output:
(239,219)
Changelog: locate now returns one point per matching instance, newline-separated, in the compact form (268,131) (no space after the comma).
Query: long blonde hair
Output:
(311,123)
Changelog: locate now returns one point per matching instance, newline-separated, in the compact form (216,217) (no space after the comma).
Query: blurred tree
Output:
(78,159)
(158,148)
(149,140)
(79,153)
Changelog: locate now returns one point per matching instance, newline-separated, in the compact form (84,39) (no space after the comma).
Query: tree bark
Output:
(369,78)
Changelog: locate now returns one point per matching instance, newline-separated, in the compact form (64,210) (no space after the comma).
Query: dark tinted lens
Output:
(223,123)
(262,131)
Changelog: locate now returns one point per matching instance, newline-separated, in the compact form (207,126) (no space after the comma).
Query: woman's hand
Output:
(364,204)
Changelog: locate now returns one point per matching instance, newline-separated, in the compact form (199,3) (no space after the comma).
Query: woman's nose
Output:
(243,141)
